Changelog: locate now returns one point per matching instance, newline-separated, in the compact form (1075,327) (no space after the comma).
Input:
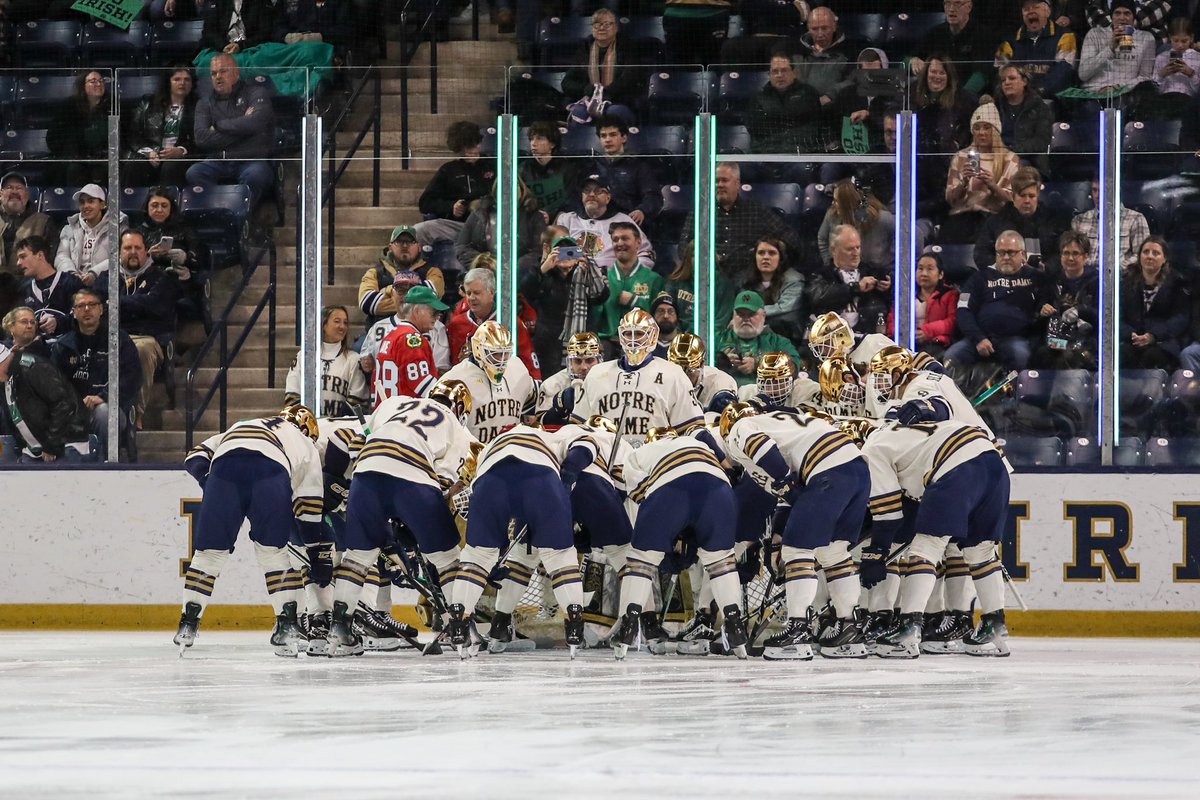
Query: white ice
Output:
(119,715)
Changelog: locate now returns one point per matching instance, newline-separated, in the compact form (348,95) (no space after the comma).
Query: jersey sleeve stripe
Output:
(827,445)
(387,449)
(692,455)
(682,427)
(754,443)
(257,434)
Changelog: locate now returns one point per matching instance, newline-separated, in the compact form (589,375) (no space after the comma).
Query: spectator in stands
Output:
(1072,313)
(767,26)
(1025,216)
(942,108)
(1149,15)
(961,39)
(231,26)
(1026,122)
(998,309)
(694,30)
(21,332)
(592,228)
(1177,72)
(785,113)
(1117,59)
(19,220)
(746,337)
(612,73)
(478,235)
(160,135)
(235,128)
(182,258)
(1134,230)
(824,57)
(666,317)
(343,382)
(860,292)
(780,287)
(979,181)
(1045,48)
(551,179)
(78,134)
(631,282)
(565,292)
(82,355)
(451,195)
(1155,311)
(44,410)
(863,103)
(147,310)
(477,307)
(935,311)
(636,190)
(46,290)
(680,285)
(875,225)
(83,244)
(376,296)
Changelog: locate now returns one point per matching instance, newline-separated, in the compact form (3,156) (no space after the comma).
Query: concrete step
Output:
(462,54)
(211,418)
(467,99)
(242,377)
(421,143)
(354,254)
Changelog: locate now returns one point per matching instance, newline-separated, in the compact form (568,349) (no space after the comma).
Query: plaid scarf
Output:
(595,73)
(585,283)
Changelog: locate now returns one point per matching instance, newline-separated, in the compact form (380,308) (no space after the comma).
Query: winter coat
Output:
(223,129)
(995,304)
(46,402)
(83,358)
(71,241)
(941,314)
(375,296)
(629,80)
(1040,225)
(457,180)
(642,282)
(463,324)
(148,305)
(785,121)
(1027,128)
(828,292)
(32,224)
(257,15)
(479,234)
(634,185)
(1167,318)
(789,305)
(149,122)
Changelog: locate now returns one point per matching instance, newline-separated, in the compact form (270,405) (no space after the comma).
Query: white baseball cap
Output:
(90,190)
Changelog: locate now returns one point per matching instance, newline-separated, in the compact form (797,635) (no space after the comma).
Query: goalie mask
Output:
(638,335)
(888,369)
(491,347)
(732,413)
(454,395)
(302,418)
(775,377)
(830,336)
(840,383)
(583,353)
(687,351)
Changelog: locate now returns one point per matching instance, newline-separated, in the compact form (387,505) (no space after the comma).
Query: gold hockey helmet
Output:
(660,432)
(840,383)
(858,429)
(601,422)
(583,345)
(453,394)
(491,347)
(686,350)
(638,335)
(830,336)
(471,463)
(775,376)
(732,413)
(887,369)
(302,418)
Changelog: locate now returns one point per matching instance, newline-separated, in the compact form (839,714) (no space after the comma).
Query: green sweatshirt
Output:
(643,283)
(767,342)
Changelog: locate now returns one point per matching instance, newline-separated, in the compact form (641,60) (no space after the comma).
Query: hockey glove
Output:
(564,402)
(320,563)
(915,411)
(872,569)
(750,564)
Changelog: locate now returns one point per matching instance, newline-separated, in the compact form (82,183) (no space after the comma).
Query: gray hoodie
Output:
(77,237)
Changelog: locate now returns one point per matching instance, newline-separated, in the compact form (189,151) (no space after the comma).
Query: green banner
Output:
(115,12)
(854,137)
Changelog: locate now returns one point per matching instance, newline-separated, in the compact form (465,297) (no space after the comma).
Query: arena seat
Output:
(57,203)
(133,200)
(218,215)
(1139,393)
(1158,200)
(654,140)
(104,45)
(677,204)
(559,37)
(1058,400)
(816,202)
(1183,256)
(1033,451)
(1073,152)
(47,44)
(646,30)
(904,31)
(23,145)
(863,29)
(1163,452)
(131,88)
(1066,197)
(172,41)
(38,98)
(733,139)
(1151,148)
(958,261)
(677,95)
(736,90)
(1085,452)
(785,198)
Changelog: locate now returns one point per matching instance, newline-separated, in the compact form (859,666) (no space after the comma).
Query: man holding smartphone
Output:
(564,289)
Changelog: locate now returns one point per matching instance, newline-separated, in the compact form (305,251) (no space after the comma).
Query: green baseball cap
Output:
(400,230)
(748,301)
(424,296)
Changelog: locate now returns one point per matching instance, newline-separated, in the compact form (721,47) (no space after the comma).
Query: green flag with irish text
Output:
(115,12)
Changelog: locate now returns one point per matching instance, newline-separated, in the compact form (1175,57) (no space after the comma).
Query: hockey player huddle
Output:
(875,494)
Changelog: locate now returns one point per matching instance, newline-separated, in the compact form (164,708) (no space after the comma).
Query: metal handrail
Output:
(220,334)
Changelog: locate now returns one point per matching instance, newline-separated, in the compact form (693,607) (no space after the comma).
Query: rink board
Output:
(1091,554)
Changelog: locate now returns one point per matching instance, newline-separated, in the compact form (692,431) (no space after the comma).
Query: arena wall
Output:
(1091,554)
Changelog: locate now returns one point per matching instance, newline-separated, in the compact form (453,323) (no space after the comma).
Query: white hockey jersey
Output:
(656,464)
(904,459)
(495,407)
(338,444)
(712,382)
(860,357)
(534,446)
(604,449)
(655,394)
(551,387)
(283,443)
(809,446)
(342,380)
(437,337)
(417,440)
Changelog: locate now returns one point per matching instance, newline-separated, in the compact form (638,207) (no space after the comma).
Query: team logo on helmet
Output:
(686,350)
(775,376)
(583,345)
(302,418)
(601,422)
(491,347)
(660,432)
(638,335)
(887,369)
(840,383)
(858,429)
(732,413)
(830,336)
(454,395)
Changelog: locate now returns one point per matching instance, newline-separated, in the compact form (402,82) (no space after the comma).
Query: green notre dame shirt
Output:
(643,283)
(767,342)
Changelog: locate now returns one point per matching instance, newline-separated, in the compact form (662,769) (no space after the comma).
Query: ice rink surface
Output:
(119,715)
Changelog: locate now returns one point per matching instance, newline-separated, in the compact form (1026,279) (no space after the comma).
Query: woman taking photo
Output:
(979,181)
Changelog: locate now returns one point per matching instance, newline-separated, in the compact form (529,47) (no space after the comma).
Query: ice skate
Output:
(697,638)
(844,638)
(793,643)
(823,621)
(990,638)
(318,633)
(287,636)
(878,623)
(459,629)
(947,635)
(573,627)
(734,629)
(703,619)
(378,631)
(627,631)
(189,627)
(904,640)
(342,640)
(654,633)
(503,636)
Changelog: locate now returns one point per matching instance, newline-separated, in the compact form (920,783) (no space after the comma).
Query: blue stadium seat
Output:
(131,88)
(133,200)
(173,42)
(653,140)
(642,29)
(1066,197)
(863,28)
(676,96)
(1151,149)
(905,31)
(550,77)
(53,44)
(6,95)
(104,45)
(677,204)
(38,98)
(1162,452)
(1033,451)
(23,145)
(816,202)
(958,261)
(58,204)
(559,37)
(1182,253)
(736,90)
(1073,151)
(1158,200)
(580,140)
(218,215)
(783,197)
(1139,394)
(1184,384)
(1085,452)
(1063,399)
(733,139)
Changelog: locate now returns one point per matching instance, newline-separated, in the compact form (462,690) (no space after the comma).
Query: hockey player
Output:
(405,365)
(830,336)
(639,390)
(776,383)
(266,470)
(523,474)
(712,388)
(958,476)
(677,484)
(813,467)
(413,454)
(500,387)
(558,393)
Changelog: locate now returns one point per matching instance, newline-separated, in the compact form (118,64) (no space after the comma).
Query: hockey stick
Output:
(986,394)
(1012,585)
(612,453)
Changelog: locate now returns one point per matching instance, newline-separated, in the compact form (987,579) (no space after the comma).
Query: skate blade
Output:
(858,650)
(943,648)
(740,652)
(794,653)
(375,645)
(989,650)
(696,647)
(183,647)
(341,651)
(619,651)
(318,649)
(287,651)
(658,648)
(573,648)
(887,651)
